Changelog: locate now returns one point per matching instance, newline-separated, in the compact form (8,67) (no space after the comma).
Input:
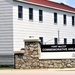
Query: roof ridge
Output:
(66,5)
(53,4)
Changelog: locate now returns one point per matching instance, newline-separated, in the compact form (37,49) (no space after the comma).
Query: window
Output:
(64,19)
(73,20)
(40,15)
(55,17)
(65,41)
(30,13)
(20,12)
(41,38)
(73,41)
(56,41)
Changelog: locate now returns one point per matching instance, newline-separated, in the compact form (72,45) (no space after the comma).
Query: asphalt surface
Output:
(38,72)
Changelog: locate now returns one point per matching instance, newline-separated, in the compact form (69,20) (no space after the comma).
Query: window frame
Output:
(55,17)
(55,41)
(40,15)
(73,41)
(73,21)
(41,39)
(64,19)
(30,13)
(65,40)
(20,11)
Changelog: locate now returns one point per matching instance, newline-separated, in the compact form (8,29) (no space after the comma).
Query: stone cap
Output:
(19,52)
(32,40)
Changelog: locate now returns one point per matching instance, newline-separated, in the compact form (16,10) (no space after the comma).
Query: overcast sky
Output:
(68,2)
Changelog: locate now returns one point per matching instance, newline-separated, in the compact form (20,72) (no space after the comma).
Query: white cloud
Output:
(68,2)
(64,1)
(56,0)
(60,1)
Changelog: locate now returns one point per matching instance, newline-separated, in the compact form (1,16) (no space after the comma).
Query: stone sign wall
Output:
(30,58)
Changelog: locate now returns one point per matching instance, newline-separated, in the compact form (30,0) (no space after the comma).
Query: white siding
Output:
(23,28)
(6,32)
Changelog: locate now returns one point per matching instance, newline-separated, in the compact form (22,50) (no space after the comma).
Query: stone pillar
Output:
(32,50)
(30,58)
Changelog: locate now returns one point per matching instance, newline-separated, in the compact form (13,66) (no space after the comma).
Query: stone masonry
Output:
(30,58)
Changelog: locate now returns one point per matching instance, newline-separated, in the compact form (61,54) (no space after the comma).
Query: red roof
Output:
(53,4)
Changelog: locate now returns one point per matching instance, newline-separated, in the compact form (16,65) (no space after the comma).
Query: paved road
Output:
(37,72)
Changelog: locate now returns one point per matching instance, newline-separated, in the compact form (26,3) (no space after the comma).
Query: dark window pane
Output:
(55,20)
(30,17)
(73,41)
(30,13)
(40,18)
(20,12)
(20,15)
(65,41)
(30,10)
(20,8)
(55,40)
(40,12)
(40,15)
(64,17)
(55,17)
(73,20)
(41,38)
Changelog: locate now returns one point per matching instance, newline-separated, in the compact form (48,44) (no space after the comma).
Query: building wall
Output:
(23,28)
(6,33)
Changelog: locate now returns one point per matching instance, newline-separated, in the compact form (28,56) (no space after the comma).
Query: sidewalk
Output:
(64,69)
(38,72)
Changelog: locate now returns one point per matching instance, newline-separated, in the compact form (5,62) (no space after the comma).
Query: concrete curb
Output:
(66,69)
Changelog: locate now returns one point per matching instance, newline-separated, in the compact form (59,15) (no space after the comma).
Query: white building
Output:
(20,19)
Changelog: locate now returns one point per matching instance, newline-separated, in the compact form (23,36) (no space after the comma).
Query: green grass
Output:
(5,67)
